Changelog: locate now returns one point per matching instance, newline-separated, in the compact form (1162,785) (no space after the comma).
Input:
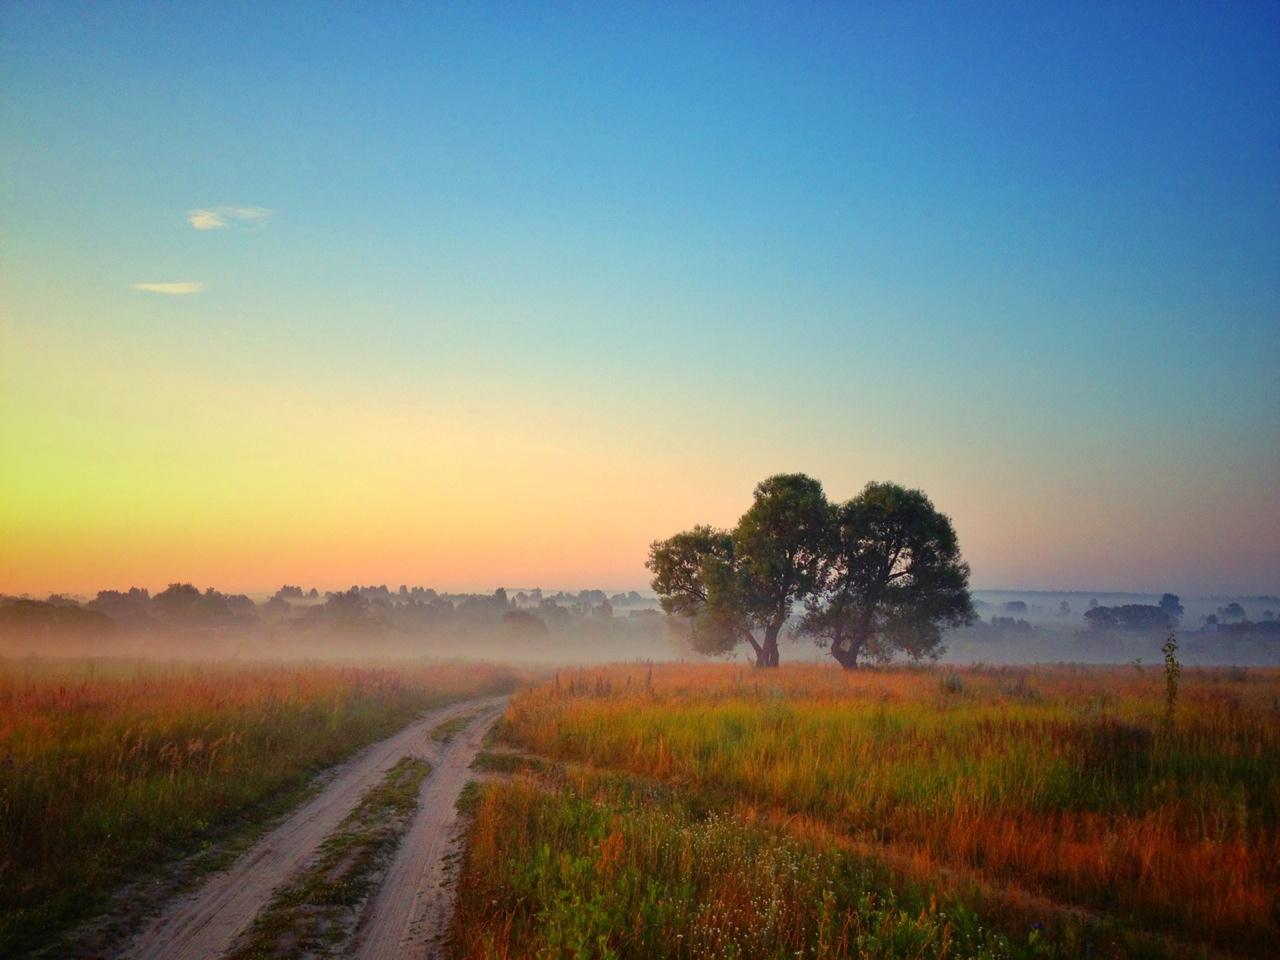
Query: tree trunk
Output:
(847,656)
(768,653)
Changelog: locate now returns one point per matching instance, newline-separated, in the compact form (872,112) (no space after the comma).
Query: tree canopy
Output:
(877,575)
(891,579)
(739,586)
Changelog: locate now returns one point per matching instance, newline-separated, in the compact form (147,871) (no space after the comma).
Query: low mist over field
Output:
(584,626)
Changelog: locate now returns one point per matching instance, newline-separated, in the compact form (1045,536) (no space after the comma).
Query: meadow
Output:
(108,768)
(714,811)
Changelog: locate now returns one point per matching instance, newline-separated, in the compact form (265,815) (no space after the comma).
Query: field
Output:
(711,811)
(108,767)
(676,810)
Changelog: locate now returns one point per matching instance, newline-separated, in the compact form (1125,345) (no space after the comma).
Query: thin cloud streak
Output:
(219,218)
(177,288)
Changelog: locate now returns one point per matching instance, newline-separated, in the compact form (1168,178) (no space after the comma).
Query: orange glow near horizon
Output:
(124,465)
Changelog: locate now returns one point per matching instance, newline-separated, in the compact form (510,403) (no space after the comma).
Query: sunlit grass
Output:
(602,869)
(1058,783)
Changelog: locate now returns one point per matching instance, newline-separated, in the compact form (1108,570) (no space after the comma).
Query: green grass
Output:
(1061,784)
(608,868)
(506,762)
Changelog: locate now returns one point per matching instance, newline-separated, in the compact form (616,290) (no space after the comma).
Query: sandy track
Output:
(202,925)
(407,918)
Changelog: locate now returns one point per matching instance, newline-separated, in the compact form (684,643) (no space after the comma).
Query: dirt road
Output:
(406,919)
(203,924)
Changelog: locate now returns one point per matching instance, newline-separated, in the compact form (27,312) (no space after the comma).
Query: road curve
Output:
(203,924)
(407,918)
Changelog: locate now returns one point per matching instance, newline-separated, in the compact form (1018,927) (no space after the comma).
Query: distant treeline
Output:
(360,609)
(1230,622)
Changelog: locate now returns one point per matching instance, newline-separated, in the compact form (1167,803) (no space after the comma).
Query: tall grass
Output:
(595,870)
(1051,781)
(109,767)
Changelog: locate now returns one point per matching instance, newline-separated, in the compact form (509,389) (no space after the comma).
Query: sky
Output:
(476,294)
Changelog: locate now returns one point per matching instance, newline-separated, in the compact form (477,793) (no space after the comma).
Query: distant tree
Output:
(1014,606)
(740,586)
(500,598)
(1266,629)
(1099,618)
(890,578)
(1232,611)
(1211,620)
(213,605)
(1132,616)
(604,611)
(131,606)
(277,605)
(1064,609)
(241,606)
(346,606)
(178,601)
(524,622)
(1268,615)
(1093,603)
(1172,605)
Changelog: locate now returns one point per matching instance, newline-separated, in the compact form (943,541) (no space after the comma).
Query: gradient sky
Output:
(500,293)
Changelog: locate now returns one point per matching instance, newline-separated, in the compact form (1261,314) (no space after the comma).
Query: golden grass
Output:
(1059,782)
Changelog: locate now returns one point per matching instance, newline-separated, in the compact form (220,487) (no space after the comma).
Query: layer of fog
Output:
(587,626)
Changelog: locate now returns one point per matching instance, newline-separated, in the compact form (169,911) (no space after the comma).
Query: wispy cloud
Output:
(218,218)
(178,288)
(206,219)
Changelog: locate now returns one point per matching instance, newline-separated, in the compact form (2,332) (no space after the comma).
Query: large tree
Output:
(891,578)
(740,586)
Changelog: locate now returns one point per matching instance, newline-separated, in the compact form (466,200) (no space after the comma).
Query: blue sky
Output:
(1025,257)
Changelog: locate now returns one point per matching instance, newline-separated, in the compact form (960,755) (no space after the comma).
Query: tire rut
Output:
(408,916)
